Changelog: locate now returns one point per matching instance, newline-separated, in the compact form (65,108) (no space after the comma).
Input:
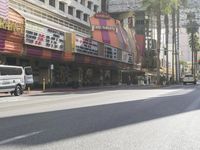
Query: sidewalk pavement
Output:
(99,88)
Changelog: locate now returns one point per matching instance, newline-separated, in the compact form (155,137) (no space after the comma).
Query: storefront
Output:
(61,57)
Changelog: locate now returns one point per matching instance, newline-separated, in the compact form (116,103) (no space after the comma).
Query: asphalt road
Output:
(126,119)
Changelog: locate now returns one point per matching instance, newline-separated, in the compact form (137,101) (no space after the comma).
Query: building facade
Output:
(56,39)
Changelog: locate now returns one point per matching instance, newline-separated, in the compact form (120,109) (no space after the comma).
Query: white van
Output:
(14,79)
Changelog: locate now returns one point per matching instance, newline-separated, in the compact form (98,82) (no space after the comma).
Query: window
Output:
(71,10)
(85,17)
(95,8)
(139,22)
(42,1)
(111,52)
(10,71)
(89,5)
(28,71)
(83,2)
(52,3)
(78,14)
(62,6)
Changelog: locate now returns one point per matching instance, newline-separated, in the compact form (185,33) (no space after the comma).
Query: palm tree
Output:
(159,7)
(163,7)
(192,30)
(176,17)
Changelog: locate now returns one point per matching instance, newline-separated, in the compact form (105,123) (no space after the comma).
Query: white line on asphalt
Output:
(19,137)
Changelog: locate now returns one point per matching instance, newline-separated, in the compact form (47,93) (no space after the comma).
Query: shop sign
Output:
(86,45)
(110,28)
(42,36)
(11,25)
(102,15)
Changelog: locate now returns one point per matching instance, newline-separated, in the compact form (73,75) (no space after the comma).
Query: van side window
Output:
(10,71)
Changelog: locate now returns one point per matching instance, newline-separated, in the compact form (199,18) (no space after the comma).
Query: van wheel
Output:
(18,91)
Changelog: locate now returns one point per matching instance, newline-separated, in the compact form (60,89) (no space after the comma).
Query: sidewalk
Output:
(51,91)
(99,88)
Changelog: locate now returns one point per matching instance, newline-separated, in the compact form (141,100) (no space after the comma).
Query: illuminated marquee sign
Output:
(11,26)
(111,52)
(42,36)
(86,45)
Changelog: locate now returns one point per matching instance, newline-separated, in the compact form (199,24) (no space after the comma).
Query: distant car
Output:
(189,78)
(198,82)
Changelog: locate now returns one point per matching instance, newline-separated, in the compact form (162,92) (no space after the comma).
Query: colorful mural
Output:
(110,31)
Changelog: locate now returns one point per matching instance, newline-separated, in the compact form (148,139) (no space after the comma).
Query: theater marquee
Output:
(42,36)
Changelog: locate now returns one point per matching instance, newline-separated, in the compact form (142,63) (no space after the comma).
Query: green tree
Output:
(159,7)
(163,7)
(192,30)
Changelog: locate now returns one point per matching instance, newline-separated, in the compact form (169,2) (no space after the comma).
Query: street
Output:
(115,119)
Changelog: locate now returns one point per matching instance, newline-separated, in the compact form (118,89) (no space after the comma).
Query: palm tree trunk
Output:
(177,48)
(192,53)
(173,41)
(195,57)
(166,42)
(158,43)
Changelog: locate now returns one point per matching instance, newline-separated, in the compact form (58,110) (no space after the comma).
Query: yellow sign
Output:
(11,26)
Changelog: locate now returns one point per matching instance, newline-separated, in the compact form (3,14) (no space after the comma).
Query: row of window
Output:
(89,5)
(48,16)
(71,10)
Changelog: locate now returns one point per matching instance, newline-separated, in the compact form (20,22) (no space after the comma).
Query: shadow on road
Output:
(63,124)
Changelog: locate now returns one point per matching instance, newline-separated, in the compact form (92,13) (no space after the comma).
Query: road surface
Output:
(117,119)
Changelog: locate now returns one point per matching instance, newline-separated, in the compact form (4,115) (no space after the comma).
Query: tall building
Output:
(104,6)
(55,38)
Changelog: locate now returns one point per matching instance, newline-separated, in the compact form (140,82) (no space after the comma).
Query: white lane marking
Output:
(19,137)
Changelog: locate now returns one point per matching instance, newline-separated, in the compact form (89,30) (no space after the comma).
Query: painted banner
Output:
(42,36)
(4,9)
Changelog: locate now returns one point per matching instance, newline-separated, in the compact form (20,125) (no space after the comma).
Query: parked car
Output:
(189,78)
